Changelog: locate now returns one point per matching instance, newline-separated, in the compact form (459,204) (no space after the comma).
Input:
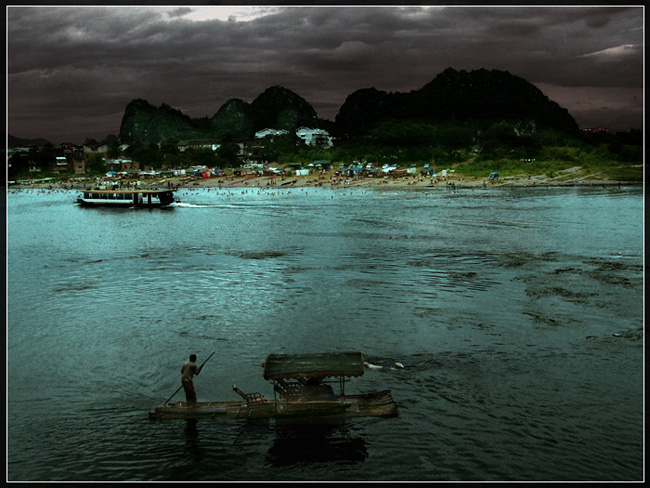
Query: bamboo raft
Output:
(306,396)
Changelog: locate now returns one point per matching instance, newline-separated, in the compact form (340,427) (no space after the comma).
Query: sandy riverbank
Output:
(569,177)
(388,182)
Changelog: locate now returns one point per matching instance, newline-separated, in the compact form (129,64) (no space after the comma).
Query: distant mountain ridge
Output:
(14,141)
(480,97)
(276,107)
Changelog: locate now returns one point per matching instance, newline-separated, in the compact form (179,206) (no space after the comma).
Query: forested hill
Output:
(276,107)
(478,99)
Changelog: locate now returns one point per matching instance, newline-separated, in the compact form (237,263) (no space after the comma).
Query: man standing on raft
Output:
(188,371)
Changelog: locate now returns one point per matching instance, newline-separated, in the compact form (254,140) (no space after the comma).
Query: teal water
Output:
(517,314)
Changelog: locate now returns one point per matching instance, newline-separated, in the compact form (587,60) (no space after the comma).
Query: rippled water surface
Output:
(517,314)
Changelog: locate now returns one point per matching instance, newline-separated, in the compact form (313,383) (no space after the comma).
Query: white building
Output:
(314,137)
(270,132)
(183,146)
(61,163)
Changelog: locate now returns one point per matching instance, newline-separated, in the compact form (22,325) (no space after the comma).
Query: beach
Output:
(576,176)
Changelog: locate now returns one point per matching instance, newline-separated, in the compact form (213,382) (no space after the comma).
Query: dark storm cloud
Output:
(179,12)
(72,69)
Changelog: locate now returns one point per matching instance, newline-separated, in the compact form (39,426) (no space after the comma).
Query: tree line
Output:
(404,143)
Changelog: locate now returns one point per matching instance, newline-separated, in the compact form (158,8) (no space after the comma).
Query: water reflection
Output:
(192,444)
(315,443)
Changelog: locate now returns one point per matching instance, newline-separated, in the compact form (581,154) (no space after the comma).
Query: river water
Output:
(516,313)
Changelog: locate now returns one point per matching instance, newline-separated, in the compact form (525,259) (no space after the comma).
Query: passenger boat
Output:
(126,198)
(300,390)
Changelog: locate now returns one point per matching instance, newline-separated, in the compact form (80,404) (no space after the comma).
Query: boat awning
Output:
(130,192)
(282,366)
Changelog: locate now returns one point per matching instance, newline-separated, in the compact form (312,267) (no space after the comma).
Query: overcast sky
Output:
(71,71)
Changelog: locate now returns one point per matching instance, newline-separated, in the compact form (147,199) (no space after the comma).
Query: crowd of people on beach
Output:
(322,178)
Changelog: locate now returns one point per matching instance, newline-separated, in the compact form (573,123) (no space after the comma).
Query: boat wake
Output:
(190,205)
(210,205)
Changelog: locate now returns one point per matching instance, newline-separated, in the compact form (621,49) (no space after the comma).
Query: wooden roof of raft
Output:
(283,366)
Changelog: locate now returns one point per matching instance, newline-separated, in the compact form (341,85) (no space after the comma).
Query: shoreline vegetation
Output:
(576,176)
